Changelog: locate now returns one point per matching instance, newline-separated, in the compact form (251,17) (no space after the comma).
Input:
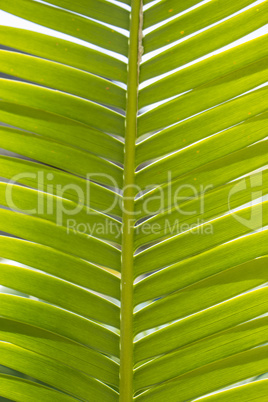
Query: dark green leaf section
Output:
(202,295)
(205,42)
(204,71)
(204,97)
(61,156)
(62,129)
(19,389)
(203,324)
(63,78)
(185,245)
(64,52)
(204,178)
(52,235)
(191,22)
(60,211)
(165,9)
(212,377)
(98,9)
(61,265)
(55,182)
(211,203)
(201,266)
(59,321)
(60,293)
(226,343)
(254,391)
(203,125)
(209,149)
(68,23)
(62,104)
(60,349)
(55,374)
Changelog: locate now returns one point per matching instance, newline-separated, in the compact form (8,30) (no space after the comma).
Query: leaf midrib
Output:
(126,328)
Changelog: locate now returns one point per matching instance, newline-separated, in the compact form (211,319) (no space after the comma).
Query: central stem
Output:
(127,277)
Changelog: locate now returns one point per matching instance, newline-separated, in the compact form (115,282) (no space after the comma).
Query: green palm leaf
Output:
(134,231)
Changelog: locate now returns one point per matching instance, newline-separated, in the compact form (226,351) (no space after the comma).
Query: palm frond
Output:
(133,221)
